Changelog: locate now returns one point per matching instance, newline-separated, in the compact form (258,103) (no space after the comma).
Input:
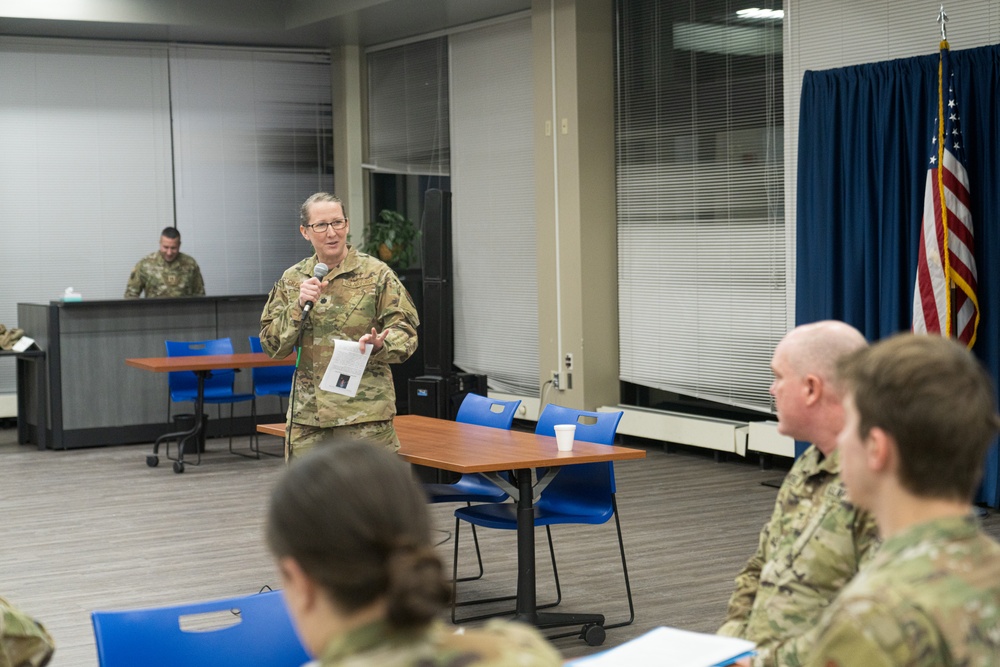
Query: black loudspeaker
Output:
(436,235)
(436,324)
(460,384)
(436,320)
(428,396)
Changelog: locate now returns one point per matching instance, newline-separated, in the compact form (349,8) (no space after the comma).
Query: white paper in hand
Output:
(347,365)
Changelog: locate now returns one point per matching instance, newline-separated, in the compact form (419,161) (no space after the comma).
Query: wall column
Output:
(348,175)
(575,199)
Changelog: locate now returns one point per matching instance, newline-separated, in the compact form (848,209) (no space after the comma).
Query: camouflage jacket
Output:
(498,644)
(361,293)
(813,545)
(23,641)
(931,596)
(160,278)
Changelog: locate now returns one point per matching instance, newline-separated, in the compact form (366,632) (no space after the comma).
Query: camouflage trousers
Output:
(304,438)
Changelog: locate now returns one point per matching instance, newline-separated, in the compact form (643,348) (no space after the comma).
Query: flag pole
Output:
(952,324)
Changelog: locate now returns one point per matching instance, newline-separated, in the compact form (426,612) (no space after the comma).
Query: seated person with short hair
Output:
(349,529)
(816,540)
(167,272)
(921,414)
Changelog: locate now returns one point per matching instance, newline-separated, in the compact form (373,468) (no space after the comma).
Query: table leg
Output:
(180,436)
(527,605)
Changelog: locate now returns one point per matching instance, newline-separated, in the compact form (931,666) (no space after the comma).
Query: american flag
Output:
(946,271)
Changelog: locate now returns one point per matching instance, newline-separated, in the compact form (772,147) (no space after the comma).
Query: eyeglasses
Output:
(321,227)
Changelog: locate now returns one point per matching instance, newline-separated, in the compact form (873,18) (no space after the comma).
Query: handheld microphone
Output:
(319,272)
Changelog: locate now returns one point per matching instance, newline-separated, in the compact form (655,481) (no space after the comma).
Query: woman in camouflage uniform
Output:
(349,529)
(360,299)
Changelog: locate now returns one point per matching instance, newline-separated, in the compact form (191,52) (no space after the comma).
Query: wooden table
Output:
(202,366)
(443,444)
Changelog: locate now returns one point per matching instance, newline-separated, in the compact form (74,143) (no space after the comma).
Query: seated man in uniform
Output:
(921,414)
(167,272)
(816,540)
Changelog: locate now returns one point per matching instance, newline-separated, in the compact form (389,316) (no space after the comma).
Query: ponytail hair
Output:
(416,587)
(356,522)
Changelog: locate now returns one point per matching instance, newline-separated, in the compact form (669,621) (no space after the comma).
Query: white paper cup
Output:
(564,437)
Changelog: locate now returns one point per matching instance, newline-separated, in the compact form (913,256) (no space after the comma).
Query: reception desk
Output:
(94,399)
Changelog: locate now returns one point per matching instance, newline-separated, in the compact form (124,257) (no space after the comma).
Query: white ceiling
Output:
(293,23)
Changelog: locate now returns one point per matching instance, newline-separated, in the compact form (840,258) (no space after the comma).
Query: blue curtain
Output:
(864,142)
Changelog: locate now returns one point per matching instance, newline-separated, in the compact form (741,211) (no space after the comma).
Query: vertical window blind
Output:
(702,246)
(408,108)
(85,183)
(252,133)
(493,178)
(461,105)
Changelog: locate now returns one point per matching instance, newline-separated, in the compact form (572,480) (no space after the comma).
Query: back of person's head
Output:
(935,400)
(352,517)
(316,198)
(170,233)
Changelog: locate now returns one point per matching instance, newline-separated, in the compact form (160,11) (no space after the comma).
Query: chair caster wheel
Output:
(152,461)
(178,467)
(593,634)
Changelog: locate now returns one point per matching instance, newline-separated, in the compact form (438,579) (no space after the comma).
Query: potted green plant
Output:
(392,238)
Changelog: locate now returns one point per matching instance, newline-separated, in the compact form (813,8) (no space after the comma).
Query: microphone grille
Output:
(320,270)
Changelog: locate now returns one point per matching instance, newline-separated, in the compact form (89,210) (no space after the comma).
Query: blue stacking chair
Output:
(183,385)
(271,381)
(257,631)
(579,494)
(475,488)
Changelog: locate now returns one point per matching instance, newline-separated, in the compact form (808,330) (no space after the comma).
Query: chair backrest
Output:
(585,488)
(476,409)
(187,381)
(162,637)
(599,427)
(270,379)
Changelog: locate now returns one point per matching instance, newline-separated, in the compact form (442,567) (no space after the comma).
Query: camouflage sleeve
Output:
(787,653)
(396,313)
(863,627)
(793,652)
(23,641)
(747,583)
(133,288)
(279,323)
(866,537)
(197,282)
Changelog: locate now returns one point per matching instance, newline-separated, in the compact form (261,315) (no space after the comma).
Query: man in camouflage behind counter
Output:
(360,299)
(921,414)
(167,272)
(816,540)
